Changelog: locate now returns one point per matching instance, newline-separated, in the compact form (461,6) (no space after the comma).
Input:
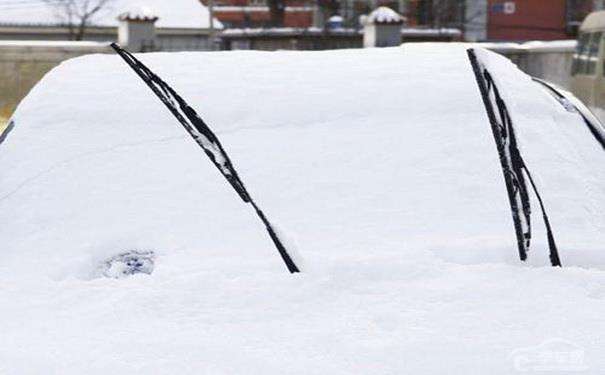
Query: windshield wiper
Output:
(206,139)
(513,166)
(4,134)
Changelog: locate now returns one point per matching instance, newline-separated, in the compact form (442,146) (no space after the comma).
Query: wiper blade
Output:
(4,134)
(206,139)
(513,166)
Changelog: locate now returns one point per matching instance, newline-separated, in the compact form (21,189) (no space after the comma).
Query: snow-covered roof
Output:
(383,15)
(379,165)
(172,14)
(138,13)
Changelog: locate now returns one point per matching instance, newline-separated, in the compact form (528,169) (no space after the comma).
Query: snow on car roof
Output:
(172,14)
(380,167)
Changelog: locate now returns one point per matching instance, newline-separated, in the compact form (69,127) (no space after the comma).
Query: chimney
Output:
(382,28)
(136,30)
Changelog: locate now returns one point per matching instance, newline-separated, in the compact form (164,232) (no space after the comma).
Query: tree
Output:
(77,14)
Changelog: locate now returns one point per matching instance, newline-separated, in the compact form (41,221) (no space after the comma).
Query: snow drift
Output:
(379,164)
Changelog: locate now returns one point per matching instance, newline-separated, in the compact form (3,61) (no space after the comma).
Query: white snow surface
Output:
(171,14)
(380,167)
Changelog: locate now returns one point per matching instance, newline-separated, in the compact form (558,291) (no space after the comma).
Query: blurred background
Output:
(539,35)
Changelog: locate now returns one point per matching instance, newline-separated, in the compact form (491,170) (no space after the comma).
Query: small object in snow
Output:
(129,263)
(206,139)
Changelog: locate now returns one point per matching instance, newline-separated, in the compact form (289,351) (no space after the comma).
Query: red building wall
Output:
(298,19)
(259,18)
(530,20)
(246,13)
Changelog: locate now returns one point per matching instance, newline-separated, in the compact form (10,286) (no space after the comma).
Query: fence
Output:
(319,39)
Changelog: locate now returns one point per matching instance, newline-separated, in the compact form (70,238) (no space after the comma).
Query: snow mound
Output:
(379,165)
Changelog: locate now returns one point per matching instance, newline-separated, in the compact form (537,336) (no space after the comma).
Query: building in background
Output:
(381,27)
(298,13)
(35,36)
(499,20)
(535,19)
(524,20)
(471,17)
(242,14)
(475,20)
(182,24)
(256,13)
(185,24)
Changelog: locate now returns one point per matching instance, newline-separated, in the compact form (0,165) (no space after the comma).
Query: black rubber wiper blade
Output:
(513,166)
(8,129)
(206,139)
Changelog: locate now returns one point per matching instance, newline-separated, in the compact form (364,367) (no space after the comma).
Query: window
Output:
(578,65)
(587,54)
(593,53)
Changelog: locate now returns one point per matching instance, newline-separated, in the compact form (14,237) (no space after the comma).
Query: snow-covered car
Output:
(404,182)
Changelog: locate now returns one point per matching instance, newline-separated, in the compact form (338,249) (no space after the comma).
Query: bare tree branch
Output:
(77,14)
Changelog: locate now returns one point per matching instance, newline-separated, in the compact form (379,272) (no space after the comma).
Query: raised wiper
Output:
(206,139)
(513,165)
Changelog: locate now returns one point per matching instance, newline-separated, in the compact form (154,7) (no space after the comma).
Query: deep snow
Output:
(379,164)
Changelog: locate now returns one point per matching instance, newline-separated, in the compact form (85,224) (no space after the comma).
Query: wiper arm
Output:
(513,165)
(206,139)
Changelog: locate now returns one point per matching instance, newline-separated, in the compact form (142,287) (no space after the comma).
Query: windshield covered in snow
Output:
(379,166)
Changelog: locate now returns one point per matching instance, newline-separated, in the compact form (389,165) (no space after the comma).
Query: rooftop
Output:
(385,15)
(188,14)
